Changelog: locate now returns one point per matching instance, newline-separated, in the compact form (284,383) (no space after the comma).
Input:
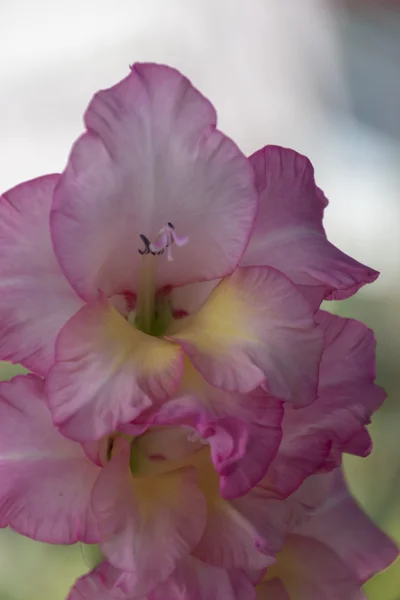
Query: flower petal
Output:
(100,356)
(349,354)
(151,156)
(192,580)
(308,569)
(46,480)
(288,233)
(195,580)
(147,525)
(243,430)
(316,436)
(255,325)
(97,585)
(362,546)
(298,457)
(245,533)
(105,582)
(241,453)
(35,297)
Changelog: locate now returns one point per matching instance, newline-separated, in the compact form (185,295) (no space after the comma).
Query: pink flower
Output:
(92,299)
(168,288)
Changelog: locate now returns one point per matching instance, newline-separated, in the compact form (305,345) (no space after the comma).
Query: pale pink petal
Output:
(151,156)
(272,590)
(35,297)
(289,234)
(298,457)
(311,571)
(315,437)
(255,328)
(192,580)
(349,354)
(241,453)
(46,480)
(147,524)
(106,582)
(245,533)
(195,580)
(98,585)
(243,431)
(107,372)
(344,527)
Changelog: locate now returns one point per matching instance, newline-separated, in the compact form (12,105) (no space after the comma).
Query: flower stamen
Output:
(164,240)
(146,290)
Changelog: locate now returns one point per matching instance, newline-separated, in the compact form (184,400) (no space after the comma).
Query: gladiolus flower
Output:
(190,403)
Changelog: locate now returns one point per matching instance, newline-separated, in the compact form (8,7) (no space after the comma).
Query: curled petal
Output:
(151,156)
(243,431)
(316,436)
(46,479)
(101,357)
(255,329)
(289,234)
(36,299)
(98,585)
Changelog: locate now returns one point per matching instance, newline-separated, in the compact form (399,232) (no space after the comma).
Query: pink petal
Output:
(151,156)
(242,453)
(310,570)
(271,590)
(316,436)
(46,480)
(35,297)
(289,235)
(101,584)
(245,533)
(147,525)
(195,580)
(243,431)
(349,355)
(101,357)
(255,325)
(343,526)
(298,457)
(96,585)
(192,580)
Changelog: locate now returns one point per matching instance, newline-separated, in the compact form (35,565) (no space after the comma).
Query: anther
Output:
(164,240)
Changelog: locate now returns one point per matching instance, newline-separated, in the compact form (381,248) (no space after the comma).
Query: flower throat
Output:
(153,311)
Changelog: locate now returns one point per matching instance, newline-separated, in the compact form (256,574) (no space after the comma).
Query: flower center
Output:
(152,313)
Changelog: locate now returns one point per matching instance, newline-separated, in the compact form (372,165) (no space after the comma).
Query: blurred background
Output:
(320,76)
